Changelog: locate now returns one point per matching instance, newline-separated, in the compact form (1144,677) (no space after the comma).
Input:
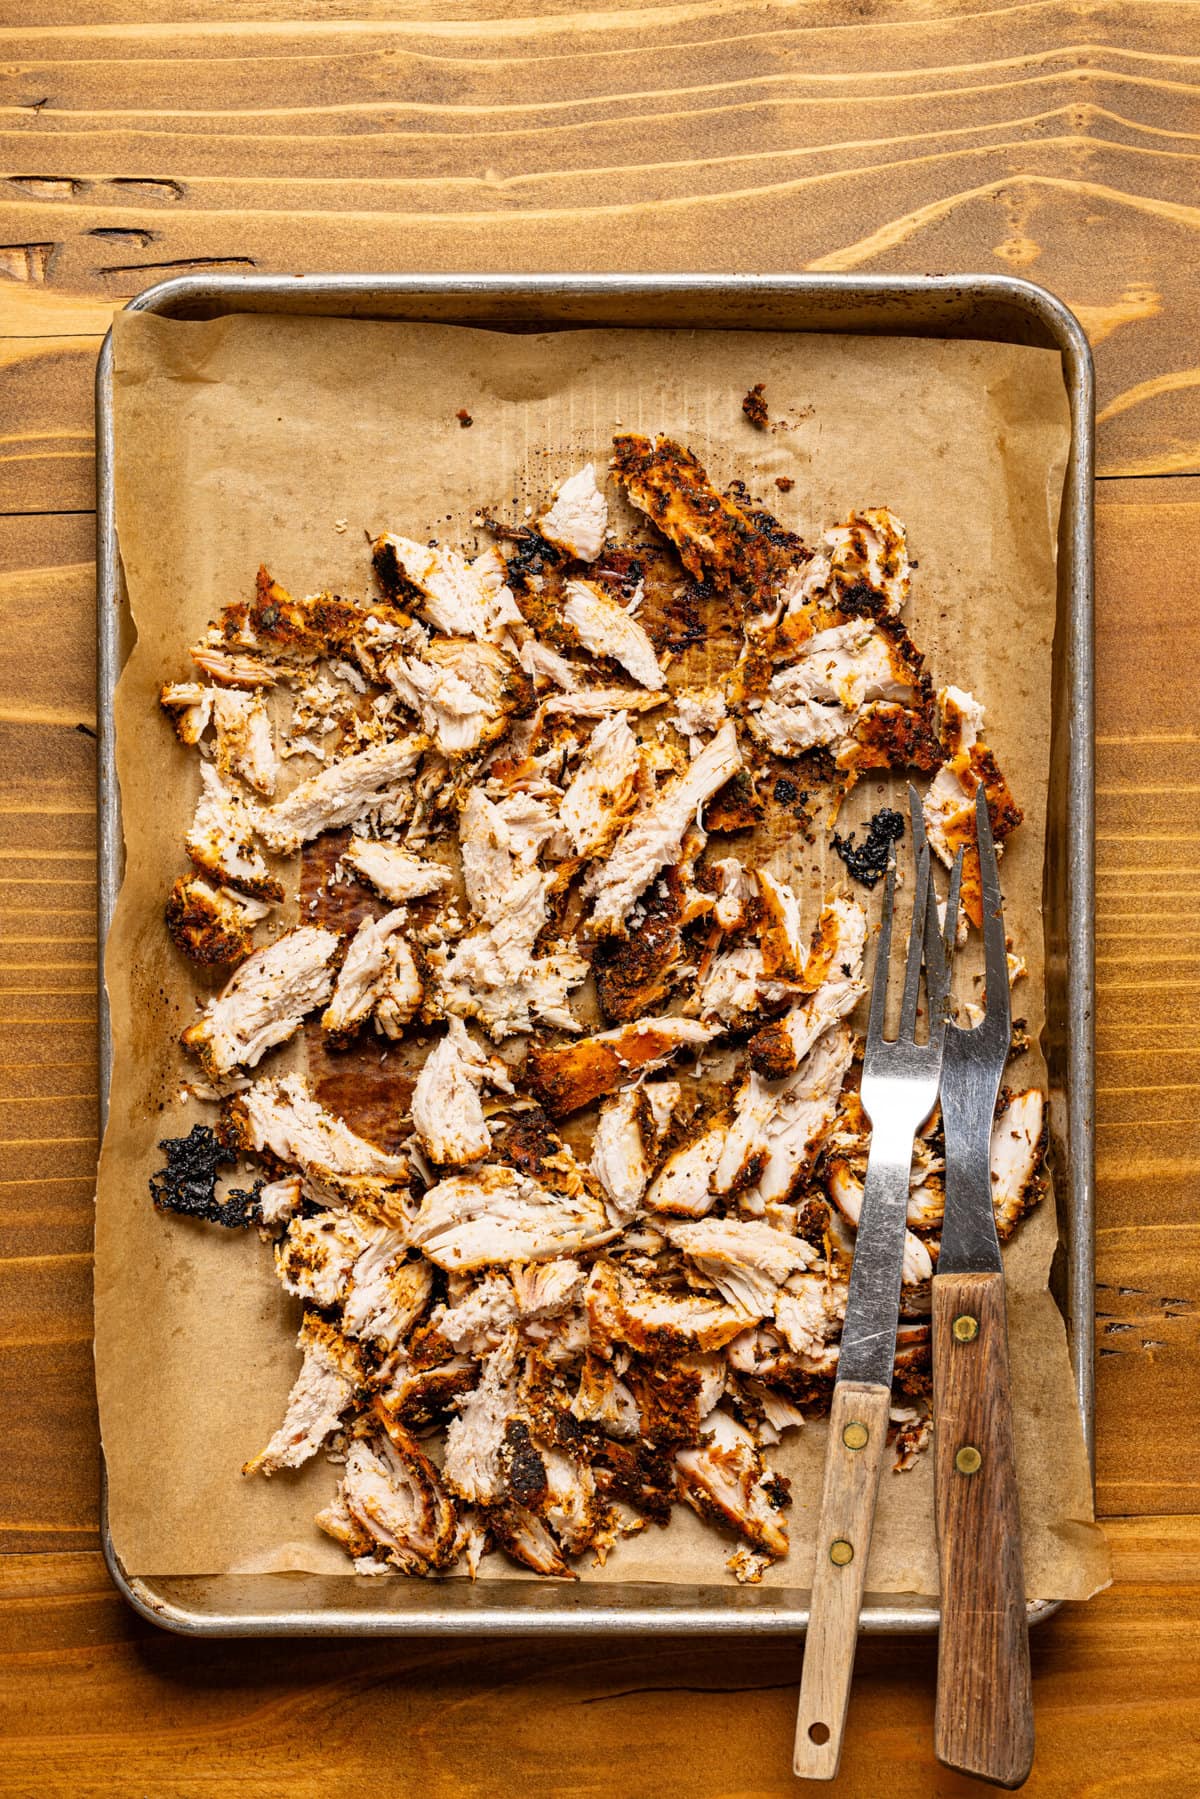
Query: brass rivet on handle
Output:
(841,1552)
(965,1329)
(968,1460)
(855,1435)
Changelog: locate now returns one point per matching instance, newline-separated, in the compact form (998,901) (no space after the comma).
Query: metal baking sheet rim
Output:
(950,306)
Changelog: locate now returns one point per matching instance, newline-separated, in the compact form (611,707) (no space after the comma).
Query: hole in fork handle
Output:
(819,1733)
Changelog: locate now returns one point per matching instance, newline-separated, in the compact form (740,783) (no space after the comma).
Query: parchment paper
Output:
(247,440)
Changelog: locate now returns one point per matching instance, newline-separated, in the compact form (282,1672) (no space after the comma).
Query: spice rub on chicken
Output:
(525,856)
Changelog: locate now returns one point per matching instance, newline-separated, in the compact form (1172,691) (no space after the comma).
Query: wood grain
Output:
(1051,139)
(857,1443)
(983,1723)
(93,1702)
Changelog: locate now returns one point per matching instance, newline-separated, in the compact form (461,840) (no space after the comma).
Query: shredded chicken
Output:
(566,1079)
(497,1215)
(726,1481)
(379,979)
(459,598)
(652,837)
(578,519)
(221,840)
(212,924)
(447,1111)
(324,1389)
(266,1001)
(605,627)
(547,1299)
(341,794)
(950,803)
(394,874)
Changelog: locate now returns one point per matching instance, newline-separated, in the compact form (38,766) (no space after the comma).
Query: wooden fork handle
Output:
(984,1719)
(858,1423)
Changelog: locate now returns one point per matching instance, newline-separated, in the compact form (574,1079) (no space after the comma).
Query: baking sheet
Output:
(250,439)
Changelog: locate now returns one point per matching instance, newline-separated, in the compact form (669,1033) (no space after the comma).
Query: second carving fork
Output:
(984,1719)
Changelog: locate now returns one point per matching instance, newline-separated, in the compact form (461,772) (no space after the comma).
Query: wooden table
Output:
(1058,141)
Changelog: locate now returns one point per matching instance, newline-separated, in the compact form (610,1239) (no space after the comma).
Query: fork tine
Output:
(950,927)
(916,933)
(883,951)
(995,948)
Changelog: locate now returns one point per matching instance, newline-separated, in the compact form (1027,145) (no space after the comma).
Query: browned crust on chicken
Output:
(735,807)
(307,628)
(203,926)
(563,1080)
(633,974)
(717,541)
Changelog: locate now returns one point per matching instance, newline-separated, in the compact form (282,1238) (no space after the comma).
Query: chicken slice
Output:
(868,565)
(605,627)
(229,670)
(604,790)
(604,1399)
(392,1489)
(498,1215)
(188,704)
(281,1120)
(265,1002)
(394,874)
(278,1201)
(221,840)
(339,795)
(528,1539)
(846,1191)
(833,975)
(654,834)
(1019,1136)
(746,1261)
(494,976)
(738,893)
(726,1481)
(500,841)
(619,1153)
(457,597)
(950,802)
(540,661)
(779,934)
(717,541)
(447,1111)
(809,1314)
(578,519)
(699,711)
(329,1378)
(379,978)
(565,1079)
(245,744)
(682,1186)
(546,1289)
(463,692)
(211,924)
(779,1126)
(473,1467)
(316,1256)
(598,702)
(622,1308)
(387,1294)
(816,701)
(730,990)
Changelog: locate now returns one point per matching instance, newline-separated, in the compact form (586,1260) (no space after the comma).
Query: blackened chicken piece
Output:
(212,925)
(188,1182)
(717,540)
